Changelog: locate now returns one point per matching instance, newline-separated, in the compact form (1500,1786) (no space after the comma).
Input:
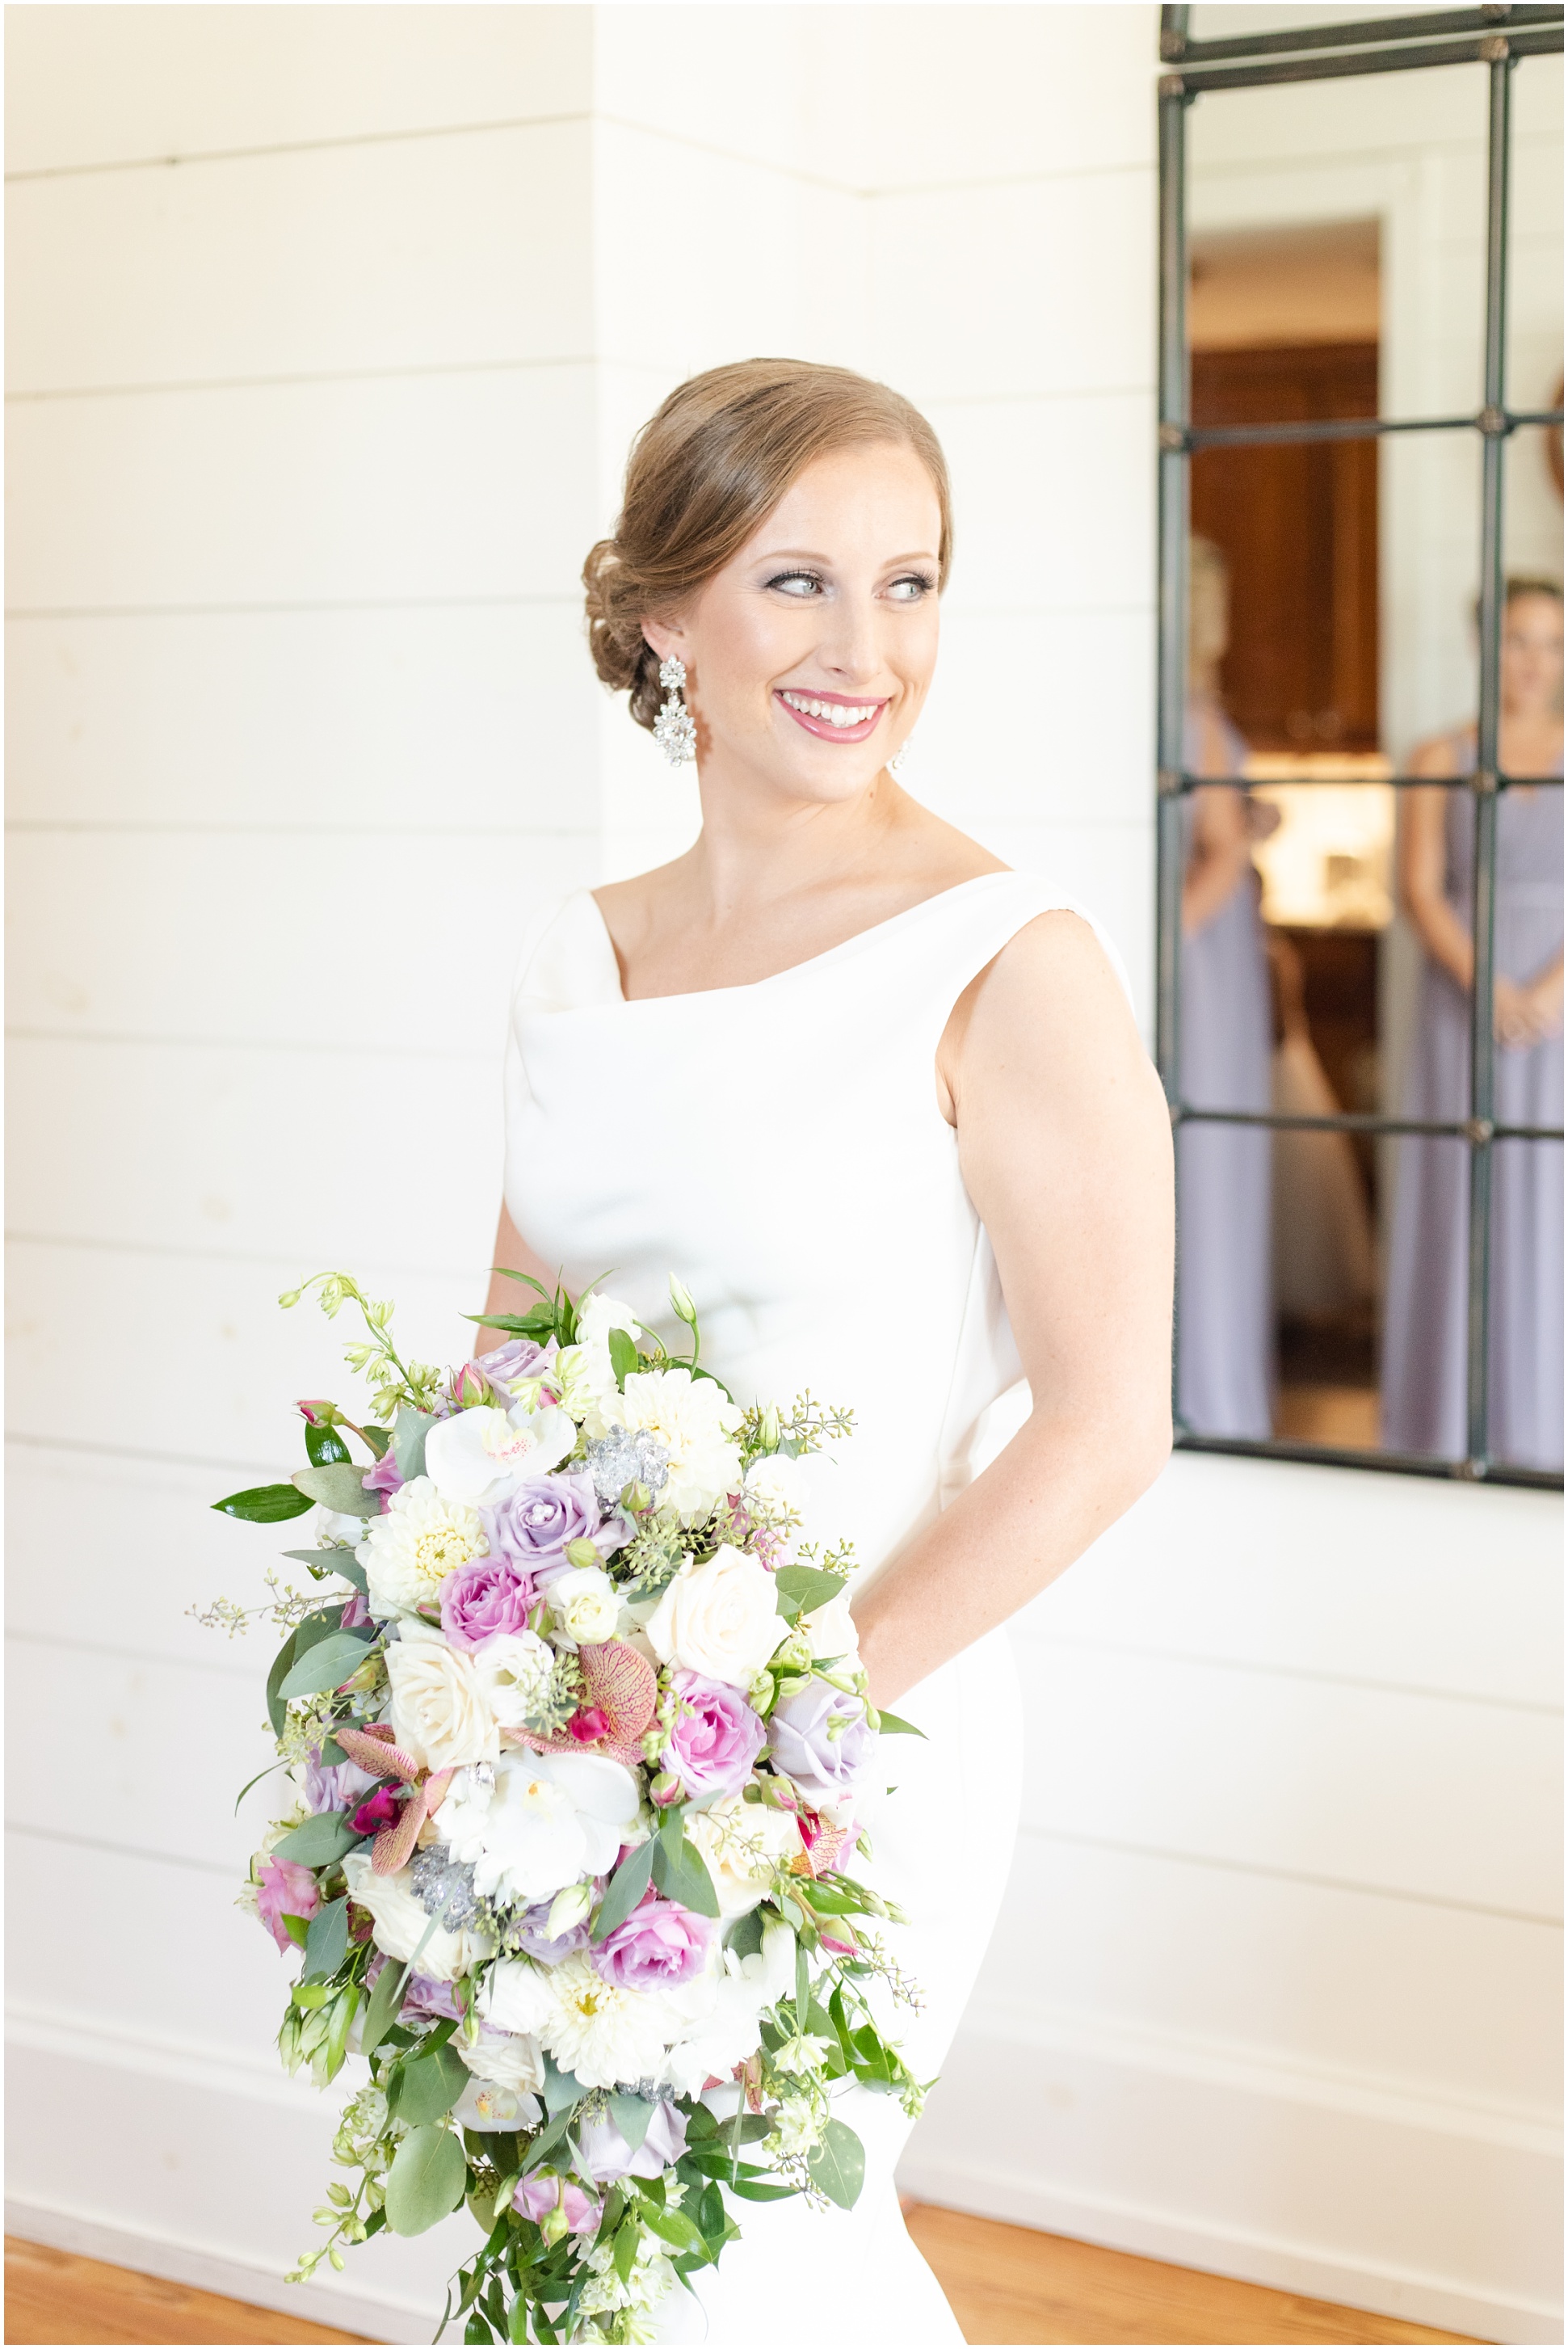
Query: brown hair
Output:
(705,471)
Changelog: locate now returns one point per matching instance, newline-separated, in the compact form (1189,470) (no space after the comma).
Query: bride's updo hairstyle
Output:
(706,470)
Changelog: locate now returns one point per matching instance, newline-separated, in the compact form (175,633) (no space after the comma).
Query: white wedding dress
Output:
(779,1146)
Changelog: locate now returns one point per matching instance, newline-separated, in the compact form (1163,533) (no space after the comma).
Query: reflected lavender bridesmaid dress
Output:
(1425,1317)
(1223,1348)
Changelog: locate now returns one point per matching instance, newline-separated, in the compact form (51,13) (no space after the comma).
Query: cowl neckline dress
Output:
(779,1146)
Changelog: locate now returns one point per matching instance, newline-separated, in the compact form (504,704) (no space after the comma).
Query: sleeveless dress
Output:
(1424,1341)
(779,1146)
(1224,1312)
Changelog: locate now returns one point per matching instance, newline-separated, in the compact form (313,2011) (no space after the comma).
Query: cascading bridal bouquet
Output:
(575,1770)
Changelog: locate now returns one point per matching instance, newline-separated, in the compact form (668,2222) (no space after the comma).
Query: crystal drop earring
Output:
(675,728)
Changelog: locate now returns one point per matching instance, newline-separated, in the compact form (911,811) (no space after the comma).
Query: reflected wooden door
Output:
(1298,525)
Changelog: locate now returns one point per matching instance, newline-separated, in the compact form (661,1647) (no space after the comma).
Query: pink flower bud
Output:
(319,1412)
(470,1387)
(588,1724)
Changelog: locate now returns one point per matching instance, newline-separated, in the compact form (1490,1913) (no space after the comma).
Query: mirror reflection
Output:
(1336,270)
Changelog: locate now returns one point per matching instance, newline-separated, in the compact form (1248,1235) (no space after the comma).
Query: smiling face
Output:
(809,655)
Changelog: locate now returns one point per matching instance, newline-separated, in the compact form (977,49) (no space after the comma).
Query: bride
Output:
(880,1103)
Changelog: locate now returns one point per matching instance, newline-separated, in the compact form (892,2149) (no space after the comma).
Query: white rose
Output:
(400,1922)
(516,1995)
(409,1550)
(508,2057)
(483,1453)
(831,1629)
(513,1671)
(743,1842)
(439,1711)
(600,1315)
(719,1618)
(584,1604)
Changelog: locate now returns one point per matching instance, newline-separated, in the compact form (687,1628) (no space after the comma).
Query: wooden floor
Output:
(1006,2284)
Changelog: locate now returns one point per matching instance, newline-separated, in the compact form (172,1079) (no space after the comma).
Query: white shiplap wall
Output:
(311,433)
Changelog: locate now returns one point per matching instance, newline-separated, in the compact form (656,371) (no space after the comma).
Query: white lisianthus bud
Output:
(681,1298)
(568,1909)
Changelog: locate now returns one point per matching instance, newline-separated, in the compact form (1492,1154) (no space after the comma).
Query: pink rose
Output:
(285,1888)
(714,1739)
(660,1946)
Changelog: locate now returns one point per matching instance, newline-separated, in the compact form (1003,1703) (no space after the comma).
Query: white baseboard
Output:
(156,2255)
(1344,2188)
(1155,2235)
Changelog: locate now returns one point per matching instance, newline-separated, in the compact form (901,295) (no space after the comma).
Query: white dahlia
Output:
(602,2032)
(408,1552)
(697,1422)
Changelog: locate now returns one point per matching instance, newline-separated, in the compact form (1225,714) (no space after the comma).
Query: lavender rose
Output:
(534,1523)
(487,1596)
(529,1931)
(334,1786)
(824,1767)
(660,1946)
(606,2155)
(714,1739)
(520,1358)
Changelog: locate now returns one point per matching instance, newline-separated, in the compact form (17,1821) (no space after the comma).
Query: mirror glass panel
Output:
(1337,271)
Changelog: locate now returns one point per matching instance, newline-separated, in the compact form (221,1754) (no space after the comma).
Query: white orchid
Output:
(483,1453)
(549,1820)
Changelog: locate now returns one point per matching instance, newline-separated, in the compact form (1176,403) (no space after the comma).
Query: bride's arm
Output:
(1065,1142)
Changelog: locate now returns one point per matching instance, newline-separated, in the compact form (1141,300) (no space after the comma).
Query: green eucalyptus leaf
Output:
(318,1841)
(562,2090)
(331,1561)
(385,2000)
(631,2116)
(409,1434)
(627,1887)
(428,2086)
(327,1943)
(802,1589)
(426,2181)
(264,1504)
(327,1665)
(275,1678)
(340,1487)
(686,1879)
(838,2164)
(745,1936)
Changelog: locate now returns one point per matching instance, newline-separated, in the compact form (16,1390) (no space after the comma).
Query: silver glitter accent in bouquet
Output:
(627,1455)
(443,1886)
